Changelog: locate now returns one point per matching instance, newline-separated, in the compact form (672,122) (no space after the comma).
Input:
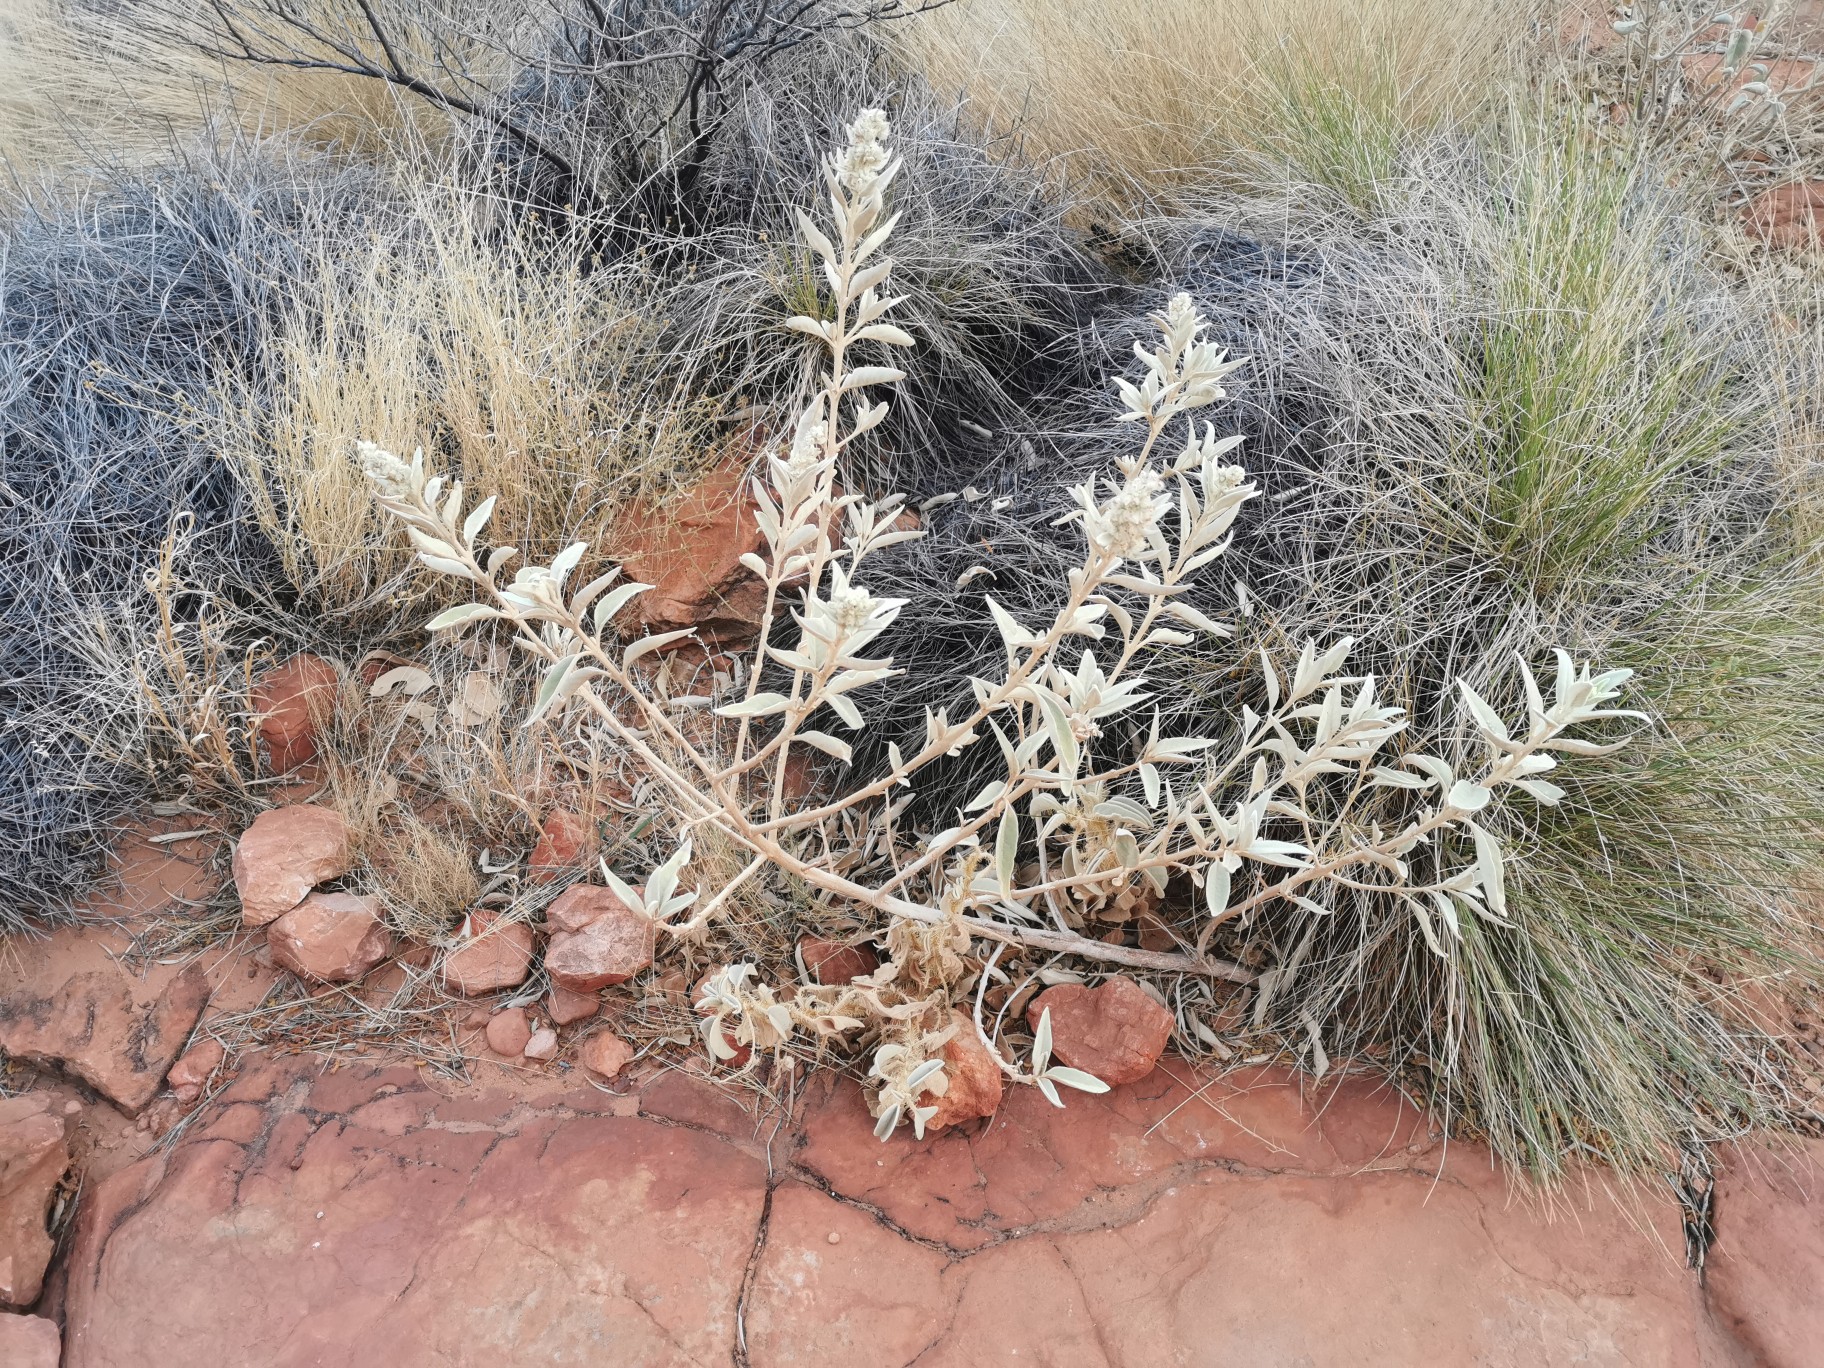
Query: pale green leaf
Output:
(617,599)
(459,615)
(1467,796)
(760,705)
(826,743)
(647,645)
(1216,883)
(1075,1078)
(478,519)
(1486,717)
(1041,1042)
(845,709)
(988,794)
(547,692)
(1489,863)
(1542,790)
(1006,848)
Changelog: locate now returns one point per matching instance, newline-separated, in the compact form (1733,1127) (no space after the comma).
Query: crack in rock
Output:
(642,1211)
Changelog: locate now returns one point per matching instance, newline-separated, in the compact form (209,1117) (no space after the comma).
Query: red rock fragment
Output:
(690,552)
(194,1068)
(497,954)
(30,1342)
(564,846)
(801,776)
(582,905)
(34,1153)
(285,853)
(293,702)
(93,1028)
(1788,217)
(605,1055)
(609,947)
(1706,73)
(1115,1031)
(565,1007)
(973,1076)
(509,1032)
(330,938)
(834,962)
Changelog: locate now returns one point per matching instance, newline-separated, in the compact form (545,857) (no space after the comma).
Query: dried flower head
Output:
(391,476)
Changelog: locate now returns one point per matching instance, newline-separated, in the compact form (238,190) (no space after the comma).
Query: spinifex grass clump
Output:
(126,298)
(1269,818)
(1534,414)
(1148,99)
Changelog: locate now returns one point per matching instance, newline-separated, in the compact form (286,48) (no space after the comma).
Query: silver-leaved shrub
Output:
(1268,816)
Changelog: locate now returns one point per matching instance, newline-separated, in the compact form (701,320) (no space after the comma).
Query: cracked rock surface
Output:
(98,1027)
(364,1217)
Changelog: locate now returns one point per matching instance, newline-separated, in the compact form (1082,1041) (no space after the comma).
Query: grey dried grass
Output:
(127,295)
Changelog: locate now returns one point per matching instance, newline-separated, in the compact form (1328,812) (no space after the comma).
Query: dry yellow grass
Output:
(82,83)
(1139,96)
(504,355)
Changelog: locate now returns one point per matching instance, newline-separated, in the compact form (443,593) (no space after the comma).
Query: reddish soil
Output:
(380,1215)
(371,1216)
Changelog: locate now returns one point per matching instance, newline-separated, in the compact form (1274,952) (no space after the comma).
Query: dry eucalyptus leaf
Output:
(408,680)
(477,700)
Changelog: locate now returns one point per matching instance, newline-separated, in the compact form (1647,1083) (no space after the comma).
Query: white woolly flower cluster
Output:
(1124,525)
(392,477)
(809,443)
(535,589)
(866,156)
(844,620)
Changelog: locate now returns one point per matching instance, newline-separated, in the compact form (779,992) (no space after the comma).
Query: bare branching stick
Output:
(709,46)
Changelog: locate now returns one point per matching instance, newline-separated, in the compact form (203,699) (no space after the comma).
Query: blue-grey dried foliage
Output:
(125,297)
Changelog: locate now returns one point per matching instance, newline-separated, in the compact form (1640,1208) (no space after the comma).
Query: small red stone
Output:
(605,1055)
(582,905)
(833,962)
(330,938)
(498,954)
(973,1077)
(293,702)
(509,1032)
(563,847)
(1115,1031)
(191,1074)
(1788,217)
(612,943)
(285,853)
(564,1006)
